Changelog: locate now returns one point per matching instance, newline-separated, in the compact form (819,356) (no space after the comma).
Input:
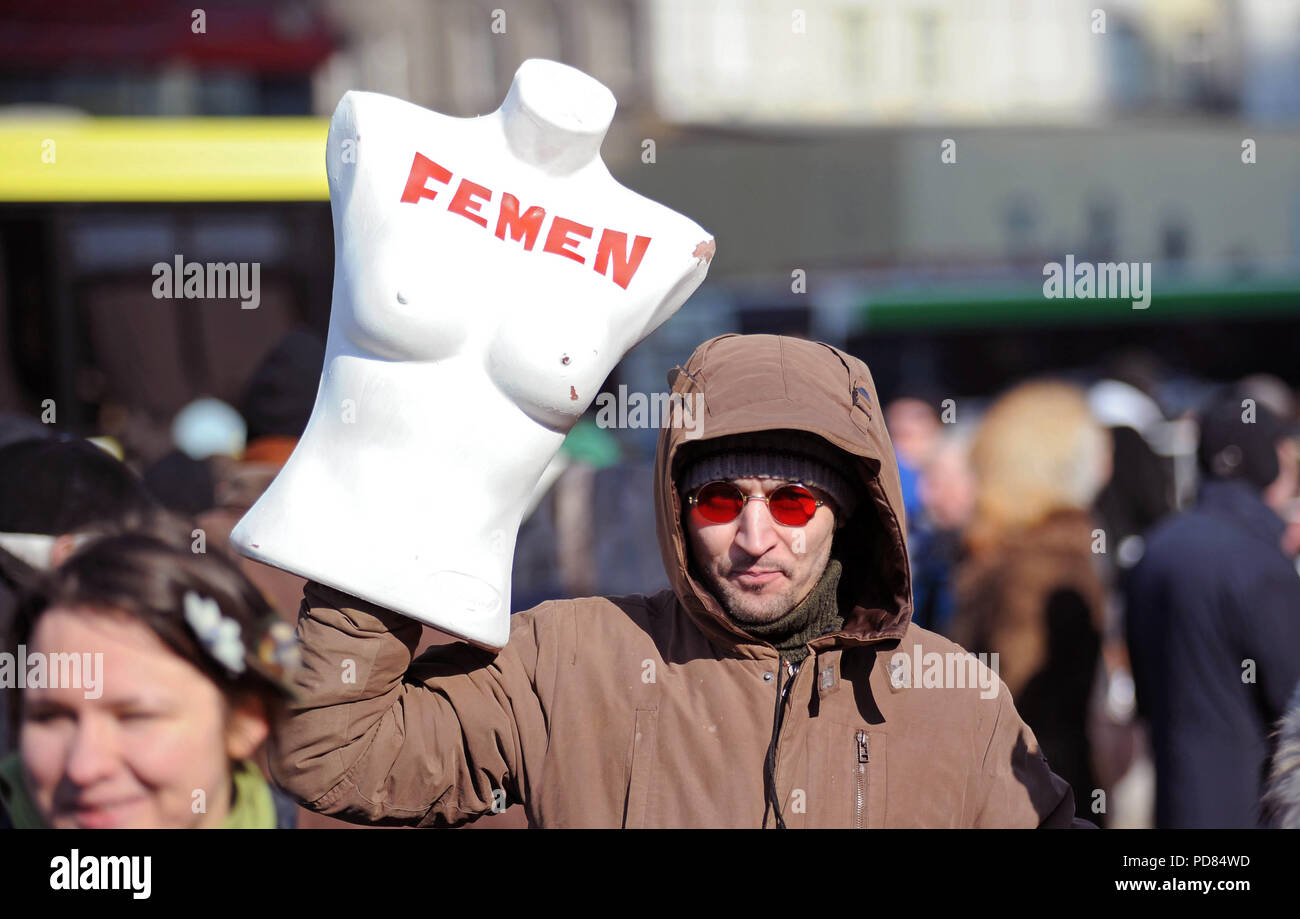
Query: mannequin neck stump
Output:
(555,117)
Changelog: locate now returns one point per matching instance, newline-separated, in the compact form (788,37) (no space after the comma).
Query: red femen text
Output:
(614,258)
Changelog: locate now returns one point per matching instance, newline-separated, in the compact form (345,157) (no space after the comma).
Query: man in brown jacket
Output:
(778,683)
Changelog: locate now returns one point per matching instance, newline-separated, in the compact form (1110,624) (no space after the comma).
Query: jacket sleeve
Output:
(1015,787)
(375,737)
(1268,630)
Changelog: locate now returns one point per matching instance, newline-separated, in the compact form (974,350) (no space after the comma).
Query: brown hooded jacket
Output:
(658,711)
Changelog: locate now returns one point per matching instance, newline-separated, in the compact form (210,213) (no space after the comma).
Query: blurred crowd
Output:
(1135,568)
(1127,549)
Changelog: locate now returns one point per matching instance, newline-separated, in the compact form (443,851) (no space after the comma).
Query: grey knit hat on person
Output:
(796,456)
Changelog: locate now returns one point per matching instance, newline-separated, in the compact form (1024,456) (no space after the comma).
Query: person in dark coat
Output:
(1214,623)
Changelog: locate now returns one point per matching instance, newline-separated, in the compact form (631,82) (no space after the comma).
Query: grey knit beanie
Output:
(796,456)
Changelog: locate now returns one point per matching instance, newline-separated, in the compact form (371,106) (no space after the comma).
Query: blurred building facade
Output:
(892,174)
(459,56)
(836,62)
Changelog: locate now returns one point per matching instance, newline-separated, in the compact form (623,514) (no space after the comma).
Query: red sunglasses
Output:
(723,502)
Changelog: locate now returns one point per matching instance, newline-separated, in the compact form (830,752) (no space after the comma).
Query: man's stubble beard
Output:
(753,608)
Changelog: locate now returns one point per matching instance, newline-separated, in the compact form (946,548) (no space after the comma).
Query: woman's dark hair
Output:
(147,578)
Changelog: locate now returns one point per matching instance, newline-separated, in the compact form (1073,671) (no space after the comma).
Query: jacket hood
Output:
(738,384)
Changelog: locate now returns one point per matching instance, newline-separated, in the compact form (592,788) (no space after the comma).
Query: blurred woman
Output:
(179,666)
(1030,589)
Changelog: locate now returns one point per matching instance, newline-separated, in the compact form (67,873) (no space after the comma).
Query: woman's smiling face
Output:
(152,750)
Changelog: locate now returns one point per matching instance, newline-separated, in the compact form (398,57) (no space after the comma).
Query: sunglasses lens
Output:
(792,505)
(719,502)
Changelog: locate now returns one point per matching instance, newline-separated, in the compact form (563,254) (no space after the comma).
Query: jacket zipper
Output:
(860,779)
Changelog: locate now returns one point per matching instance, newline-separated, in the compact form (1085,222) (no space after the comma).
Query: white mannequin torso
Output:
(466,337)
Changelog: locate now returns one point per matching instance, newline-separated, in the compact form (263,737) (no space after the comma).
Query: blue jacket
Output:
(1213,618)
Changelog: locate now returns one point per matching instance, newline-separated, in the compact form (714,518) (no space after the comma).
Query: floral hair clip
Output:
(278,652)
(219,634)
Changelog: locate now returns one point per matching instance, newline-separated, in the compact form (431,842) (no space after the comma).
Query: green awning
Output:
(958,307)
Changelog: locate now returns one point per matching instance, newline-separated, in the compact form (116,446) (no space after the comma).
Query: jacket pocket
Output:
(641,768)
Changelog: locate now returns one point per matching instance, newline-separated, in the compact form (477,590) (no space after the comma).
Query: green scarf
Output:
(254,808)
(816,615)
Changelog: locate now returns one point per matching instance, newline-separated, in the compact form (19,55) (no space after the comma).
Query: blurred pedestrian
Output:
(1214,622)
(914,426)
(1030,589)
(203,430)
(180,668)
(55,494)
(946,489)
(1271,391)
(1141,487)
